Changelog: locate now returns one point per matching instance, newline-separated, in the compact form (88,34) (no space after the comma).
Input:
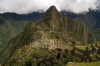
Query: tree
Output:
(58,56)
(93,49)
(90,59)
(87,54)
(96,45)
(98,50)
(28,63)
(73,51)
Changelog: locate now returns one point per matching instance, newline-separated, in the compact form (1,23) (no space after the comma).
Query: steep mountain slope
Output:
(41,43)
(7,32)
(90,19)
(12,24)
(9,29)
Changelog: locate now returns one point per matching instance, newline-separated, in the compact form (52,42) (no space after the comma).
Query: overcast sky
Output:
(29,6)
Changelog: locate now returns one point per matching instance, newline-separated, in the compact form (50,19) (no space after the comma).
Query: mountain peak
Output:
(28,27)
(52,11)
(52,8)
(52,17)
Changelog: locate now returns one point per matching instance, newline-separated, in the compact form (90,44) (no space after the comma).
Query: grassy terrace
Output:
(83,64)
(81,47)
(54,36)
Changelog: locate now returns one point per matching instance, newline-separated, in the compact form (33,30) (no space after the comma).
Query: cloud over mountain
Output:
(29,6)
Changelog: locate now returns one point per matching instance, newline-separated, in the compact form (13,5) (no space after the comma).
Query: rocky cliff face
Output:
(38,41)
(53,19)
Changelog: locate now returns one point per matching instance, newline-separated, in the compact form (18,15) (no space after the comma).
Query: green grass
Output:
(81,47)
(84,64)
(98,44)
(54,36)
(51,35)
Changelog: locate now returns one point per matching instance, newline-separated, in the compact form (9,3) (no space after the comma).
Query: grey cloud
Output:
(29,6)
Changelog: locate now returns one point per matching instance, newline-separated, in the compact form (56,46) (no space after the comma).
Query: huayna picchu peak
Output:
(51,42)
(58,23)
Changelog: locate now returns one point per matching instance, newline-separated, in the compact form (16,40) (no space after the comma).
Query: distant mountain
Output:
(40,44)
(12,24)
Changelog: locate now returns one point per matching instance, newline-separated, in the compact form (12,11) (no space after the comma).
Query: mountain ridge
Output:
(54,30)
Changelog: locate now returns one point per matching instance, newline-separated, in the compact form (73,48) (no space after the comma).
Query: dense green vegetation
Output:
(39,57)
(8,30)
